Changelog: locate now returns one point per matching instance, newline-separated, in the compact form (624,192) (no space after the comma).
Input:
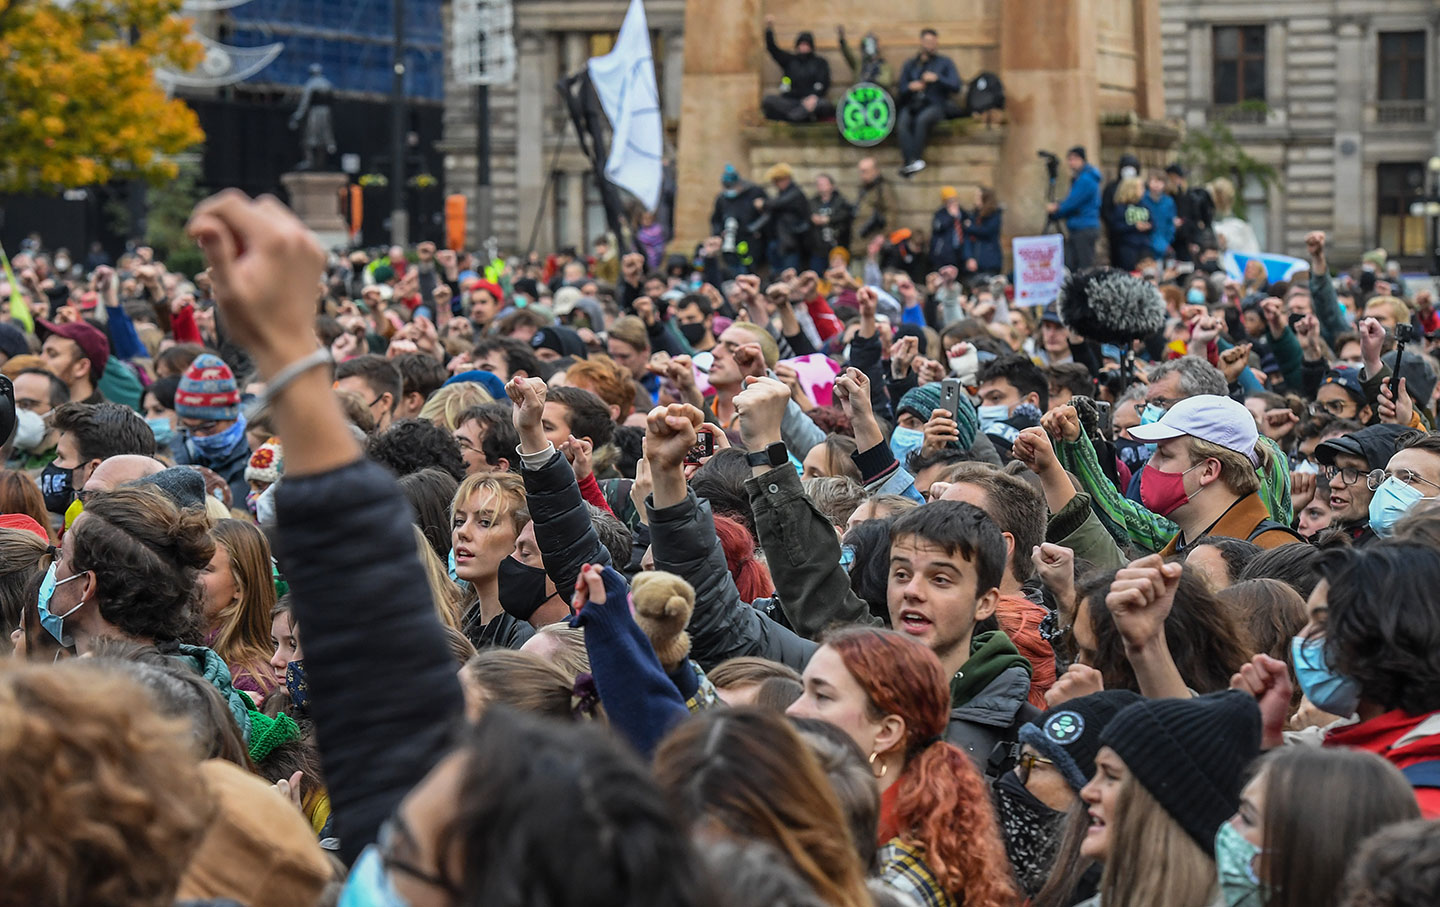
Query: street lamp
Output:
(1428,205)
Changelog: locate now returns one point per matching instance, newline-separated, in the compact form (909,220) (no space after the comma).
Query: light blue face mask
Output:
(1392,500)
(847,557)
(903,440)
(369,885)
(162,429)
(991,414)
(1327,690)
(1151,414)
(222,443)
(54,624)
(1235,861)
(1195,297)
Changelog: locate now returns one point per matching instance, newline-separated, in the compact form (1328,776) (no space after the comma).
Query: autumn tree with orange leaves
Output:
(79,103)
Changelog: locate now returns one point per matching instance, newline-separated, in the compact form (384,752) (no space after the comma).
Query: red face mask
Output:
(1163,492)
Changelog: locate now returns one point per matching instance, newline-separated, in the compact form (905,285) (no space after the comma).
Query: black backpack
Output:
(986,93)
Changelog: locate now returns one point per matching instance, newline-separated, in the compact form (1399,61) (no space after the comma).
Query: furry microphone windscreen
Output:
(1111,306)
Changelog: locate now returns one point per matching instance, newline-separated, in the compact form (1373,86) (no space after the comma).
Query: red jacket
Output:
(1406,740)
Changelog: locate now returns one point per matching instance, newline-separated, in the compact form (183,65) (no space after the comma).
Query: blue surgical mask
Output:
(847,556)
(989,415)
(1326,690)
(221,443)
(903,440)
(1195,296)
(1392,500)
(1151,414)
(162,429)
(54,624)
(369,885)
(1235,861)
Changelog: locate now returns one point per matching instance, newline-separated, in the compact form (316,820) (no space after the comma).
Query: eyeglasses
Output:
(1348,476)
(1027,762)
(466,446)
(1376,478)
(1333,407)
(1162,403)
(392,831)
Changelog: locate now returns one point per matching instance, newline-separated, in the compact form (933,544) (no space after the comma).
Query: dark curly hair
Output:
(146,554)
(411,445)
(1206,642)
(498,438)
(1378,631)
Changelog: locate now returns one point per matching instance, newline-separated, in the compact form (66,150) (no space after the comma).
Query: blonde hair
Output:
(242,639)
(1236,470)
(569,654)
(1222,192)
(1399,308)
(630,330)
(444,594)
(1130,191)
(1152,859)
(446,404)
(768,347)
(509,492)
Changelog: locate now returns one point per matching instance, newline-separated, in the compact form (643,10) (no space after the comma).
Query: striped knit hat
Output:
(208,391)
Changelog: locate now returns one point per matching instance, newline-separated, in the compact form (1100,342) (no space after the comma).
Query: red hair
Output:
(752,578)
(942,805)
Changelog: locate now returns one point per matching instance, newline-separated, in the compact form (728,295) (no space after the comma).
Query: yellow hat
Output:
(947,193)
(779,171)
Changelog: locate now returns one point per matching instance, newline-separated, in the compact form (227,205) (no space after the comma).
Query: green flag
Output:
(19,309)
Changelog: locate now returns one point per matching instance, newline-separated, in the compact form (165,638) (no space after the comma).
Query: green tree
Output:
(1214,152)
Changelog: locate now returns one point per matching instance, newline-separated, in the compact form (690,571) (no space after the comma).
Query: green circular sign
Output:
(866,114)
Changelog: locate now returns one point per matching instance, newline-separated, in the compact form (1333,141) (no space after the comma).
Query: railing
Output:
(1401,113)
(1238,114)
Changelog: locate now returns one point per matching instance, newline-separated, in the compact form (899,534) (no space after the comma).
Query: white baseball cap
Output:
(1219,420)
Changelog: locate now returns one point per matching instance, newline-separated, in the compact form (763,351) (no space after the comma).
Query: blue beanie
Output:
(487,380)
(208,391)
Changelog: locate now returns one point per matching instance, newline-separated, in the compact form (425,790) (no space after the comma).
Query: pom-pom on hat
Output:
(208,391)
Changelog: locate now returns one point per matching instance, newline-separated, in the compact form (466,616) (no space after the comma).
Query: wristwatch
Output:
(772,456)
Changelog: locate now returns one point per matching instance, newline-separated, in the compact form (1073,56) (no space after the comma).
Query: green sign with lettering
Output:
(866,115)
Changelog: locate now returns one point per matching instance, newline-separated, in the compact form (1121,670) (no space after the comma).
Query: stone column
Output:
(674,65)
(1351,74)
(1047,58)
(1197,105)
(534,93)
(574,228)
(1149,61)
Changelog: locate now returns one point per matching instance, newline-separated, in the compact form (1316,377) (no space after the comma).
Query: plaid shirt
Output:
(903,868)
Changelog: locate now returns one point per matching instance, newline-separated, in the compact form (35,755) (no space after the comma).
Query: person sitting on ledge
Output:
(806,79)
(928,83)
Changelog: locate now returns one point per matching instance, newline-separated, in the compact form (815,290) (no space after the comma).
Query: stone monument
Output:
(315,192)
(1071,70)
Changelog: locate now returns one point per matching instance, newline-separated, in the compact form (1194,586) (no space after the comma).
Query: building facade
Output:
(1338,96)
(542,194)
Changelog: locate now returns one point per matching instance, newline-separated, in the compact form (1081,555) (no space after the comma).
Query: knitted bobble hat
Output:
(208,391)
(266,733)
(663,603)
(922,402)
(1191,755)
(267,463)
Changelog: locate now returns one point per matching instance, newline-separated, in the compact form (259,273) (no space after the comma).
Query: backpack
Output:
(1268,525)
(986,93)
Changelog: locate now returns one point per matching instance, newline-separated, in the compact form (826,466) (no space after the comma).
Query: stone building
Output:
(1339,96)
(540,182)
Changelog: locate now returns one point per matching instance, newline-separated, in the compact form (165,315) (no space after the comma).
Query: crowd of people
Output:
(412,578)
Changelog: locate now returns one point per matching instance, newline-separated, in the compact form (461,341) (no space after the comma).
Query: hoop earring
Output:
(883,766)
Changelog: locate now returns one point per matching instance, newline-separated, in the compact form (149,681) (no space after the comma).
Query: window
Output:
(1239,61)
(1398,186)
(1402,66)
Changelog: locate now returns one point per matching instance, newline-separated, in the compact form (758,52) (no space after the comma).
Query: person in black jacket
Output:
(787,217)
(806,80)
(733,220)
(983,253)
(832,216)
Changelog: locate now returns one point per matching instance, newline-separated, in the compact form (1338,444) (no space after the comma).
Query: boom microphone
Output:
(1111,306)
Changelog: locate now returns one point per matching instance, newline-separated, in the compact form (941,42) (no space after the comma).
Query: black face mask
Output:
(694,333)
(522,589)
(57,487)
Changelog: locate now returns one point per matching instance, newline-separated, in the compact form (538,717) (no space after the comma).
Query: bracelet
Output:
(289,373)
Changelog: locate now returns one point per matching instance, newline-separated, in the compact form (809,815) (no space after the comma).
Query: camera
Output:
(1052,162)
(1405,333)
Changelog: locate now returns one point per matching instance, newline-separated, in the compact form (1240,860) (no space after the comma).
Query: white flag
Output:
(624,80)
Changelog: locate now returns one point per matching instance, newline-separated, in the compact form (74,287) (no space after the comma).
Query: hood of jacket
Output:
(210,666)
(993,684)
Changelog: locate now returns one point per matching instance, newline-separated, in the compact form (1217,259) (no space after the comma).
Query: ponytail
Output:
(944,808)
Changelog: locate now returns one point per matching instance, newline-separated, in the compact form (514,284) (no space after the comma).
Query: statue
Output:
(318,139)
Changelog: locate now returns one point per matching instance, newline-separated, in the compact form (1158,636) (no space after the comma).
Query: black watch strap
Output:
(772,456)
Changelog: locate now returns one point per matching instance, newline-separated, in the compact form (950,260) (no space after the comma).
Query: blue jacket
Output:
(946,84)
(1162,216)
(982,242)
(1081,206)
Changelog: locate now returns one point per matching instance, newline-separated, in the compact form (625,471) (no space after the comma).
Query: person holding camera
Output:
(928,83)
(1080,209)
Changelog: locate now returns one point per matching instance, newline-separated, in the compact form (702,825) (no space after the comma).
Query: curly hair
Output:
(146,555)
(748,772)
(1375,632)
(1206,641)
(752,577)
(411,445)
(942,805)
(602,377)
(99,805)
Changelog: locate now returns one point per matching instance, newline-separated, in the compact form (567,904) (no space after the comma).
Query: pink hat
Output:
(1218,420)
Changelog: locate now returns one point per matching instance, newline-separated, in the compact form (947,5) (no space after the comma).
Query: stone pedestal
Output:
(315,198)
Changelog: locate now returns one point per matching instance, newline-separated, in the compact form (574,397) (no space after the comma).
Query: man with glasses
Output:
(1345,465)
(1411,476)
(1342,395)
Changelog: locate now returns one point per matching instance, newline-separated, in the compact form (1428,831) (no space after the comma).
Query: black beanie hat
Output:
(1191,755)
(1069,734)
(805,37)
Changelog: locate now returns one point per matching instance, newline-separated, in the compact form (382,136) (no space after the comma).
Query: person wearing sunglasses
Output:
(1345,464)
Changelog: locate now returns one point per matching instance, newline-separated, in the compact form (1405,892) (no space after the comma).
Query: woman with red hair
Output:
(939,840)
(752,578)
